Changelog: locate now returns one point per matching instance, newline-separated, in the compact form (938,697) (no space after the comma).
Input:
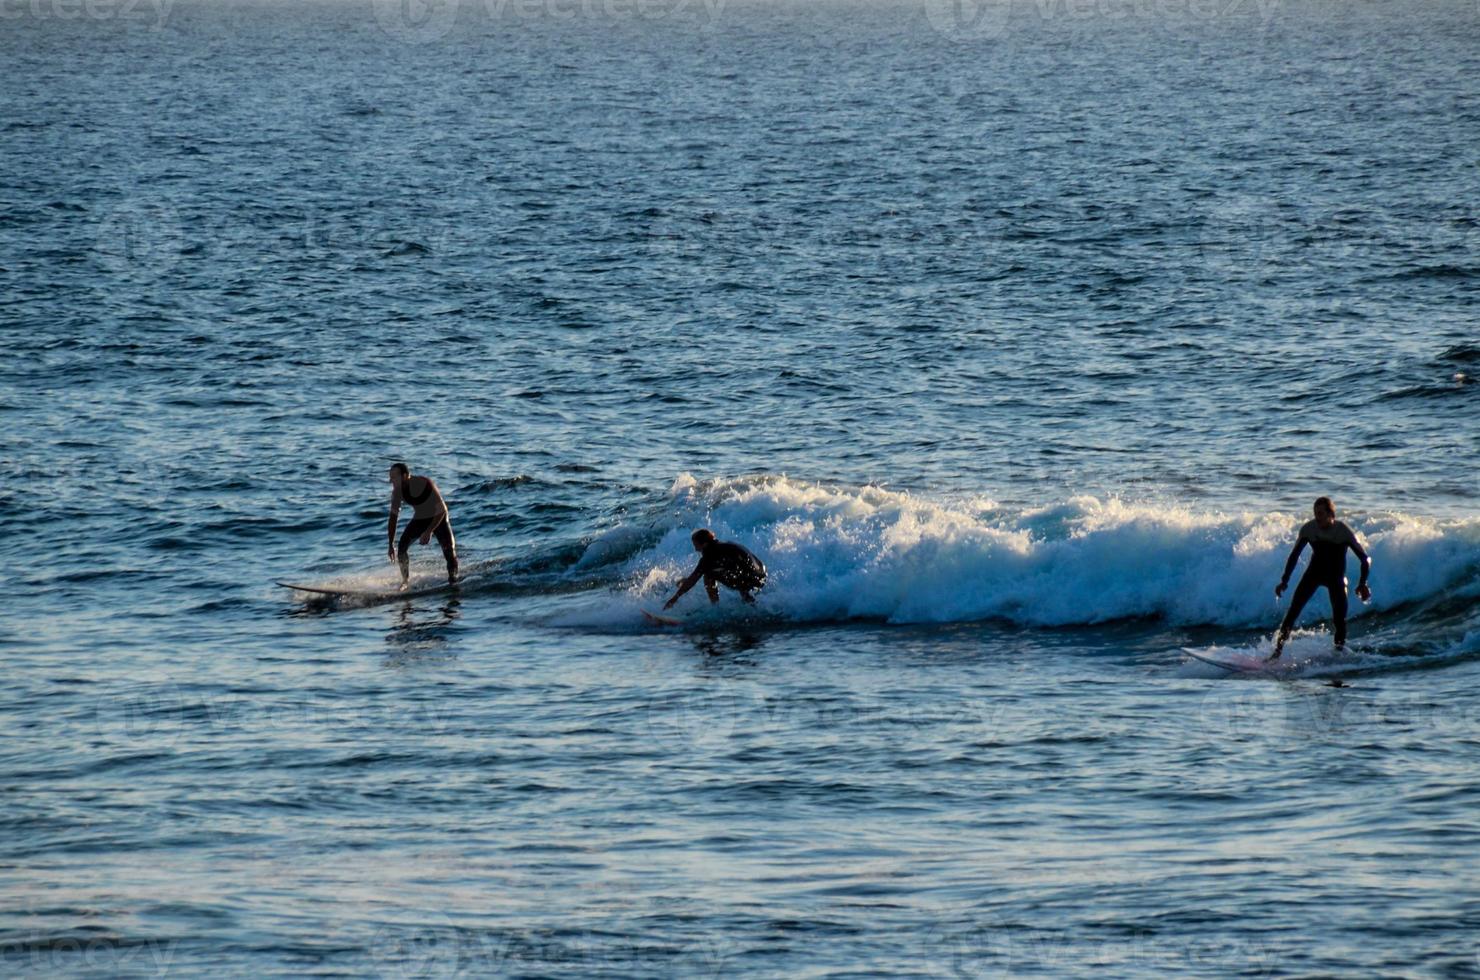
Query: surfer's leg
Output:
(1337,590)
(749,587)
(1304,589)
(415,528)
(443,532)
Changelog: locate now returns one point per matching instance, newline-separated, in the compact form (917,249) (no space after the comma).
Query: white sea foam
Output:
(839,553)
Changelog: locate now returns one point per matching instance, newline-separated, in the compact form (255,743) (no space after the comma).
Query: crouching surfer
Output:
(1328,539)
(429,517)
(722,563)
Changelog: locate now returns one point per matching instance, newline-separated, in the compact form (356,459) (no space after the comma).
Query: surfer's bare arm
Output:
(1363,592)
(683,587)
(390,531)
(1279,590)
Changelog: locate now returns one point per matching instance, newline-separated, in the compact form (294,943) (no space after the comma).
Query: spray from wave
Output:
(839,553)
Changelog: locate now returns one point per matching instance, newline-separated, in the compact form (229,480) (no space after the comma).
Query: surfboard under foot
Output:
(370,593)
(1237,663)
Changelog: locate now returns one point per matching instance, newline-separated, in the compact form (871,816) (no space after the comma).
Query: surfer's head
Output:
(702,538)
(1325,511)
(399,472)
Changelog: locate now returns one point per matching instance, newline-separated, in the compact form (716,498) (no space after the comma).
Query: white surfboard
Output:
(1237,663)
(381,594)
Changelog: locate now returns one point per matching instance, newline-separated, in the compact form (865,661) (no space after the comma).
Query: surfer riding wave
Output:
(1328,539)
(429,518)
(722,563)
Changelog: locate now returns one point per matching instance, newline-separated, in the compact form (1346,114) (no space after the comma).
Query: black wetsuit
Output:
(1327,568)
(732,565)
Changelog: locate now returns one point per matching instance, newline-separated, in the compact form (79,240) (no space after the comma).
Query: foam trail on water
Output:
(837,553)
(1308,654)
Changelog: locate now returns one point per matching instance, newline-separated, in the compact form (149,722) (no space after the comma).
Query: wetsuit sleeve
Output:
(683,587)
(1294,557)
(1356,547)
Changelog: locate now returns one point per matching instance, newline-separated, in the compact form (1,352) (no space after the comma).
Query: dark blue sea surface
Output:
(1016,337)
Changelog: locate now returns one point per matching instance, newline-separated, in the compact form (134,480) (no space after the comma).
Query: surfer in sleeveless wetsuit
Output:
(722,563)
(1328,539)
(428,518)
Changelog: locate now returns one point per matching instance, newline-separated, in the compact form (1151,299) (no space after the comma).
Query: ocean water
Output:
(1016,337)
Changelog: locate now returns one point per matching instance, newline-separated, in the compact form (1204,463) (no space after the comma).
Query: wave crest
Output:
(837,553)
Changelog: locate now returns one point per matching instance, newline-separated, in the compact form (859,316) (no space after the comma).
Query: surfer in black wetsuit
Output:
(722,563)
(1328,539)
(428,518)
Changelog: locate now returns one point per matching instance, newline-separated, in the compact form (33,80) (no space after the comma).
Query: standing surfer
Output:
(1328,539)
(722,563)
(428,518)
